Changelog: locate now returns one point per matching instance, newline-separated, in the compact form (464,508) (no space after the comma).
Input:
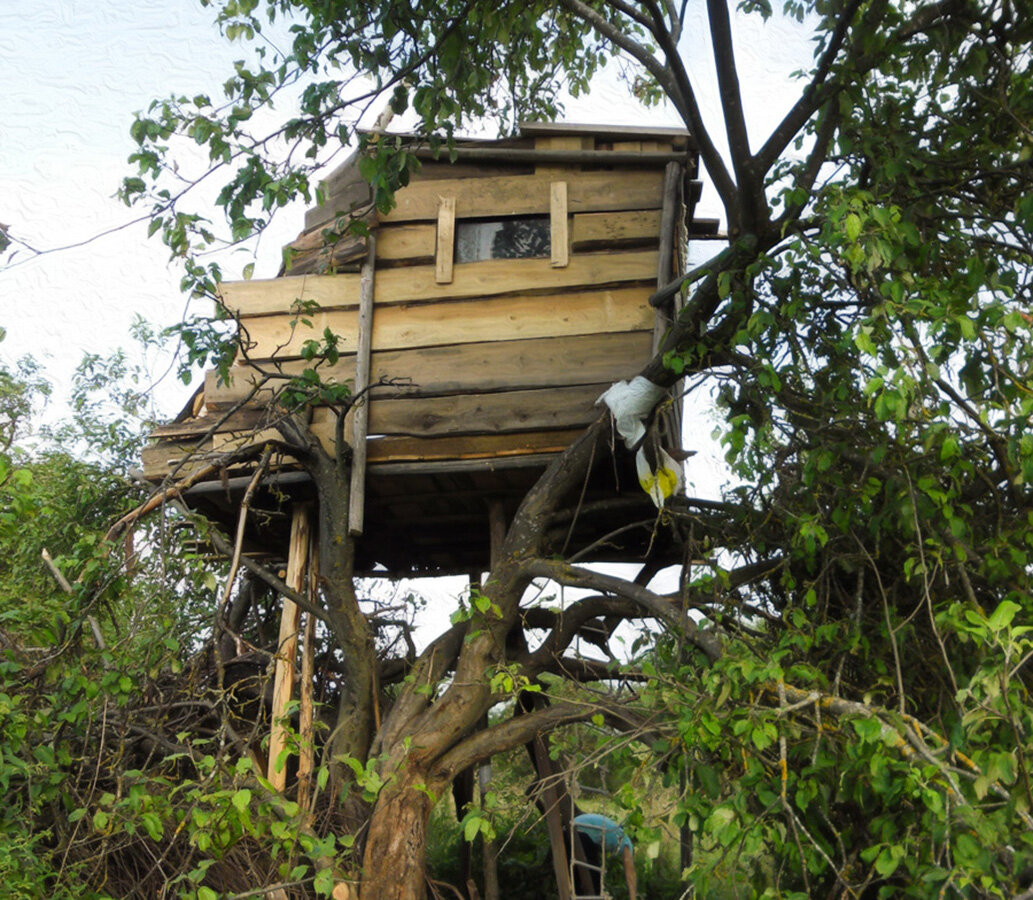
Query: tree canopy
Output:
(836,692)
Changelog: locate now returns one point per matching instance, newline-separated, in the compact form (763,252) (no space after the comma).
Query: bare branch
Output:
(731,95)
(674,79)
(567,624)
(513,732)
(658,607)
(812,98)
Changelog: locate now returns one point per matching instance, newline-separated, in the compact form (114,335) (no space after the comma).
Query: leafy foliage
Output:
(838,704)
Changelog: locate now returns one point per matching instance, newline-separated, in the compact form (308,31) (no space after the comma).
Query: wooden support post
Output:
(665,269)
(360,417)
(489,848)
(287,647)
(463,794)
(557,841)
(306,715)
(556,807)
(559,810)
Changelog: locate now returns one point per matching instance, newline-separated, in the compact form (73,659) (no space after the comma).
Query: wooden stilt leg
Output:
(497,532)
(360,419)
(287,648)
(490,848)
(306,757)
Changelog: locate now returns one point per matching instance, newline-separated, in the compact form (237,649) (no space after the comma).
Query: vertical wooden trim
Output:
(669,209)
(287,646)
(360,414)
(665,259)
(558,224)
(446,240)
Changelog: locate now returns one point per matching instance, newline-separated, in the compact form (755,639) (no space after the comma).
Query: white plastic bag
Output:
(631,402)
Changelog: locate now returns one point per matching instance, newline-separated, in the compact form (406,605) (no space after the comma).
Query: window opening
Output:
(517,237)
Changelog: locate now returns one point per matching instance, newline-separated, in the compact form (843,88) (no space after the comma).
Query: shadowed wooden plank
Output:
(512,411)
(466,368)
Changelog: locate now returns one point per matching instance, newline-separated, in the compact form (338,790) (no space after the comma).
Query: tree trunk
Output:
(395,857)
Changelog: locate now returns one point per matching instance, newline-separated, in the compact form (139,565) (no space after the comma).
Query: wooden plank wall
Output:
(488,359)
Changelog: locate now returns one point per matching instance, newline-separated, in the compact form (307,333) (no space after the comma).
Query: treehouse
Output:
(479,320)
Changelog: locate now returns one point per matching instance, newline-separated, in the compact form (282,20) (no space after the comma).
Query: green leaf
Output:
(152,824)
(888,860)
(324,882)
(241,799)
(1002,617)
(853,226)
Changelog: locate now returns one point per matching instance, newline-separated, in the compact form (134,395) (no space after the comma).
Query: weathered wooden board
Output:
(516,365)
(405,242)
(342,193)
(243,378)
(160,458)
(527,195)
(446,240)
(310,252)
(566,142)
(492,446)
(571,142)
(559,225)
(468,368)
(401,448)
(197,427)
(237,440)
(513,411)
(349,192)
(417,283)
(474,321)
(596,229)
(484,446)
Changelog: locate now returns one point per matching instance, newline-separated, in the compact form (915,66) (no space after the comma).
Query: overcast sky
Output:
(73,72)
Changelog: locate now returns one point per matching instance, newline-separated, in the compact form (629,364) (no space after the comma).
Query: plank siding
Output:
(614,229)
(529,194)
(474,321)
(493,277)
(466,368)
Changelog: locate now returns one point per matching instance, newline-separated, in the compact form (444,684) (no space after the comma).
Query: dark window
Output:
(520,237)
